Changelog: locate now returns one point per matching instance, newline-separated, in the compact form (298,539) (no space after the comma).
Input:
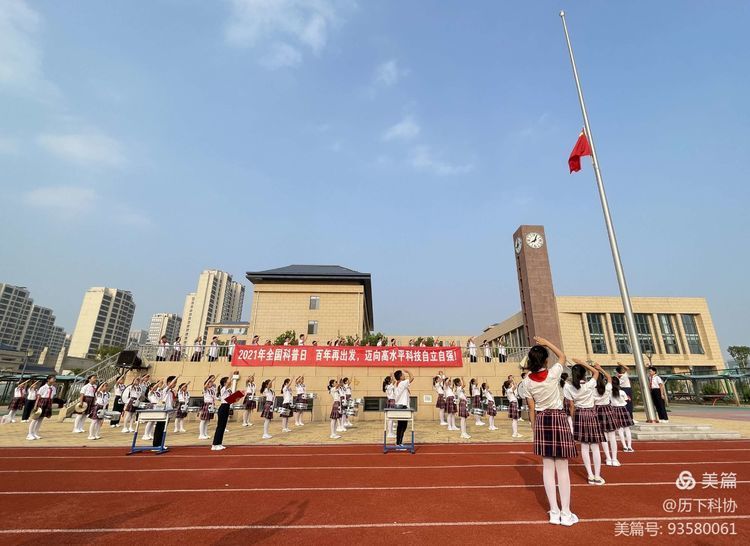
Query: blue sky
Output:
(142,142)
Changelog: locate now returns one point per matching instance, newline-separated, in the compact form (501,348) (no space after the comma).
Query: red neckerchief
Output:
(539,376)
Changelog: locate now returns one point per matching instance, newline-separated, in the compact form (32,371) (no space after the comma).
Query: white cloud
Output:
(65,200)
(406,129)
(281,56)
(388,73)
(423,160)
(20,53)
(304,23)
(88,148)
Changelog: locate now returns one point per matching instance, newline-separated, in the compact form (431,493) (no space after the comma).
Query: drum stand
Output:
(151,416)
(398,414)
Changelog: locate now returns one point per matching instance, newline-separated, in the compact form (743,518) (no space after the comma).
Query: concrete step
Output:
(667,427)
(666,435)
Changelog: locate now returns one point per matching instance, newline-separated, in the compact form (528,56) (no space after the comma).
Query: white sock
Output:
(563,484)
(266,424)
(586,456)
(621,434)
(77,422)
(492,422)
(442,415)
(11,415)
(333,427)
(463,425)
(514,425)
(597,460)
(285,422)
(629,437)
(92,428)
(605,447)
(32,424)
(613,444)
(548,476)
(37,426)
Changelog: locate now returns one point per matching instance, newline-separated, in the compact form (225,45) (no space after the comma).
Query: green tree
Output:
(105,352)
(740,353)
(372,339)
(291,335)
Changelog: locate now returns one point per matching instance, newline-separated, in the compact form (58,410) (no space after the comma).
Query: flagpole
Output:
(629,318)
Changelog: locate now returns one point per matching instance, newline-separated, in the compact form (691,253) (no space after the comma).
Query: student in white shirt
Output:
(299,398)
(463,405)
(553,439)
(401,394)
(222,415)
(101,402)
(623,374)
(250,402)
(489,400)
(520,393)
(130,397)
(30,401)
(286,403)
(390,401)
(476,400)
(510,392)
(118,405)
(213,350)
(450,404)
(197,350)
(161,352)
(19,398)
(231,346)
(333,390)
(206,413)
(267,413)
(472,347)
(177,354)
(44,397)
(623,420)
(154,397)
(606,416)
(437,385)
(183,401)
(88,393)
(585,422)
(658,394)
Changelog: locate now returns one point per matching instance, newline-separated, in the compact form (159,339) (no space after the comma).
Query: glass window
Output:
(643,328)
(314,302)
(691,334)
(596,334)
(622,343)
(666,323)
(312,327)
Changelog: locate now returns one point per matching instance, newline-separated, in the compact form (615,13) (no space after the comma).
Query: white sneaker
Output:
(245,424)
(112,426)
(492,428)
(663,421)
(92,438)
(609,462)
(336,436)
(218,448)
(479,424)
(37,437)
(340,429)
(635,422)
(24,420)
(125,431)
(286,430)
(267,436)
(214,448)
(30,437)
(249,424)
(76,431)
(520,419)
(203,437)
(554,518)
(568,519)
(118,425)
(615,462)
(97,437)
(465,436)
(443,424)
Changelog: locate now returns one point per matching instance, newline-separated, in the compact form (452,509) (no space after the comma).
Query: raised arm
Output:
(598,367)
(558,353)
(592,369)
(625,367)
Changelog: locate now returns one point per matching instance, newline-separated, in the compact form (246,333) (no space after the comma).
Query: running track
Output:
(350,494)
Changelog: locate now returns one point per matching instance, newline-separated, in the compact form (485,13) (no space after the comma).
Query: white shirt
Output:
(335,395)
(501,349)
(168,397)
(46,391)
(183,397)
(621,400)
(88,390)
(119,389)
(510,394)
(230,350)
(213,351)
(460,393)
(224,394)
(31,394)
(287,393)
(18,392)
(438,388)
(177,346)
(199,348)
(487,351)
(655,382)
(583,397)
(449,392)
(401,393)
(488,396)
(300,388)
(269,395)
(603,399)
(624,380)
(208,395)
(102,399)
(301,342)
(521,390)
(390,392)
(154,397)
(475,390)
(250,389)
(472,349)
(162,350)
(546,394)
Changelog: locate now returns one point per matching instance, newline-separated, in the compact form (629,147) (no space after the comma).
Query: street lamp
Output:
(29,354)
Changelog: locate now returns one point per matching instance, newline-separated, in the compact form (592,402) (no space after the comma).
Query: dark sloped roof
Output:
(318,273)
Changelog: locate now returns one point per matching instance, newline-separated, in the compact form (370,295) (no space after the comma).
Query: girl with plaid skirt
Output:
(183,401)
(437,385)
(566,403)
(154,397)
(44,397)
(580,393)
(333,390)
(606,415)
(450,404)
(476,400)
(88,394)
(623,419)
(300,398)
(16,404)
(463,405)
(101,402)
(390,401)
(206,412)
(249,402)
(286,392)
(30,400)
(553,440)
(267,413)
(130,397)
(509,389)
(489,400)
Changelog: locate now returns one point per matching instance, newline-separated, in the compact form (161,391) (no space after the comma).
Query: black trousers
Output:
(629,404)
(28,406)
(400,429)
(158,434)
(222,416)
(661,408)
(472,358)
(117,406)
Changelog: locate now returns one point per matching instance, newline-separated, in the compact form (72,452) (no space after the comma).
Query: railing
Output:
(106,371)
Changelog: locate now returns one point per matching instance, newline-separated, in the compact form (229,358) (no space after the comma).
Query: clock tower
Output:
(538,302)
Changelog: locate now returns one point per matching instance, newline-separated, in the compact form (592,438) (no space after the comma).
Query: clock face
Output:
(518,245)
(534,240)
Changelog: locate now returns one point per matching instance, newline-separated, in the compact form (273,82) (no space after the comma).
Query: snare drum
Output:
(477,411)
(111,415)
(350,412)
(301,406)
(284,412)
(310,395)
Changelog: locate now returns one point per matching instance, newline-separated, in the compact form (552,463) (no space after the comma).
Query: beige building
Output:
(674,333)
(321,301)
(104,320)
(217,299)
(164,324)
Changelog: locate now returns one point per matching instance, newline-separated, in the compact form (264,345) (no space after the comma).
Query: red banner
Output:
(315,355)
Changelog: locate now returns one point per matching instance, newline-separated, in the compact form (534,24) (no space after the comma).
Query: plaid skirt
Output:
(16,404)
(181,414)
(440,404)
(513,412)
(204,414)
(390,403)
(450,405)
(586,426)
(463,410)
(267,412)
(606,418)
(89,401)
(622,417)
(491,409)
(250,404)
(93,408)
(336,410)
(552,435)
(129,406)
(476,401)
(45,404)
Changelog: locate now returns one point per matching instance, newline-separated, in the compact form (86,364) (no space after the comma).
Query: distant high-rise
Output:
(137,337)
(217,299)
(104,320)
(57,340)
(164,324)
(24,325)
(38,330)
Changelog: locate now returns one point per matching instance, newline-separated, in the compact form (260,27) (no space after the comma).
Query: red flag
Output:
(581,149)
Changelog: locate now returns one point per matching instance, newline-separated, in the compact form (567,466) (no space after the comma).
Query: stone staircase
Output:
(667,431)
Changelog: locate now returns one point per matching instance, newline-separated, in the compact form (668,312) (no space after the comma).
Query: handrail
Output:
(106,371)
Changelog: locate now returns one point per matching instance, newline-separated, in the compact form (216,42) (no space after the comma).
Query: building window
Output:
(622,343)
(312,327)
(691,334)
(596,334)
(643,328)
(314,302)
(666,323)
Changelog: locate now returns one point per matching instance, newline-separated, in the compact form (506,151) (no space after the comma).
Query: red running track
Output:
(334,494)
